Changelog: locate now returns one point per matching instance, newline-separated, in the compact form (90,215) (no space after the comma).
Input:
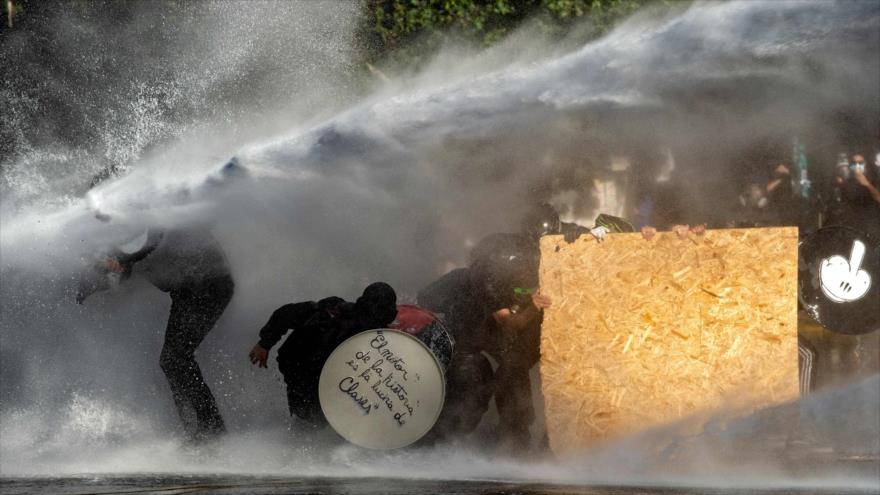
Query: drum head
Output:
(382,389)
(839,280)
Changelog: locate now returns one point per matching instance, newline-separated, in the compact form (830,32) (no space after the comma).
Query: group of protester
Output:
(492,307)
(853,199)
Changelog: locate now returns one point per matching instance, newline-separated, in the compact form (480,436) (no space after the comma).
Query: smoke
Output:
(335,183)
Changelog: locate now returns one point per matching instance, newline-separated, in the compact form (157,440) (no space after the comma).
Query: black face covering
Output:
(378,304)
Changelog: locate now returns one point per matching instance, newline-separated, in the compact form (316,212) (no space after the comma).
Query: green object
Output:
(800,179)
(614,224)
(523,297)
(409,31)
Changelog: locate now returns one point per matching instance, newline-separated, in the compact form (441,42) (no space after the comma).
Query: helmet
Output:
(542,220)
(504,269)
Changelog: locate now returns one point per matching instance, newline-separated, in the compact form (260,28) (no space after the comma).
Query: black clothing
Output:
(517,353)
(571,231)
(467,298)
(469,377)
(317,328)
(469,389)
(501,264)
(456,298)
(782,200)
(856,209)
(192,268)
(542,220)
(195,308)
(176,258)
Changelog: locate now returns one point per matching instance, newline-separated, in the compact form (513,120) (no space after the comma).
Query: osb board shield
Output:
(643,333)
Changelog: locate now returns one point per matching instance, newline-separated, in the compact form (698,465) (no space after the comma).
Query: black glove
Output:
(571,235)
(571,232)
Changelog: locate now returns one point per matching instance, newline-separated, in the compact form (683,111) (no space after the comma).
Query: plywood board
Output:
(642,333)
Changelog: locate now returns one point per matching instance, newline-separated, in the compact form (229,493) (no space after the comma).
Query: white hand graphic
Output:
(841,279)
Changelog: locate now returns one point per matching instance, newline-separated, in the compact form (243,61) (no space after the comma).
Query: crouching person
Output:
(493,308)
(317,328)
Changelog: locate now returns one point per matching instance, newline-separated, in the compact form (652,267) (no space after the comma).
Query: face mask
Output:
(753,200)
(858,167)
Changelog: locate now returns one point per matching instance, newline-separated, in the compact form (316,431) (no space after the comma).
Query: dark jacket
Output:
(317,328)
(455,297)
(310,322)
(171,259)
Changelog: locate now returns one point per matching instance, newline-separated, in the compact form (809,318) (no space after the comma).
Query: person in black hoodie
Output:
(317,328)
(492,308)
(188,264)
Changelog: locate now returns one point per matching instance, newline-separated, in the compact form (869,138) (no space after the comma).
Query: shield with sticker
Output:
(839,279)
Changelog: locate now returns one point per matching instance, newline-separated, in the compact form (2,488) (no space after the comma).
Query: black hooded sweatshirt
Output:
(317,328)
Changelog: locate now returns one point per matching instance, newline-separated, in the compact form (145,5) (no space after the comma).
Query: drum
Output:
(427,327)
(385,388)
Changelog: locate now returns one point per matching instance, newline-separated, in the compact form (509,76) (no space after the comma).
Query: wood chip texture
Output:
(643,333)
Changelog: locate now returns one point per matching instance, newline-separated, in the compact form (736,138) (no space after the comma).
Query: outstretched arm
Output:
(283,319)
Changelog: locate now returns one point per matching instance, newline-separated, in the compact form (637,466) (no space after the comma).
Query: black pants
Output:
(469,387)
(195,308)
(519,352)
(301,377)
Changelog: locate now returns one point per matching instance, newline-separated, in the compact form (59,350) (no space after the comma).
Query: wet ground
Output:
(169,485)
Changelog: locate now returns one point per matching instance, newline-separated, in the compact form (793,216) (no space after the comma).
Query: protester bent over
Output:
(317,328)
(191,267)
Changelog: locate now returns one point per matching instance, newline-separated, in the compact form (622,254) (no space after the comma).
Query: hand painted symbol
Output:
(842,280)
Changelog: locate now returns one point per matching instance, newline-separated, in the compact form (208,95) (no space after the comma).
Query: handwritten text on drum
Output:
(385,373)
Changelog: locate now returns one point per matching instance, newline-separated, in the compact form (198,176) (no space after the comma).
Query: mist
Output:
(339,181)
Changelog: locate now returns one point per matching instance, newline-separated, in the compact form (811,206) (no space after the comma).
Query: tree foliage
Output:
(404,30)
